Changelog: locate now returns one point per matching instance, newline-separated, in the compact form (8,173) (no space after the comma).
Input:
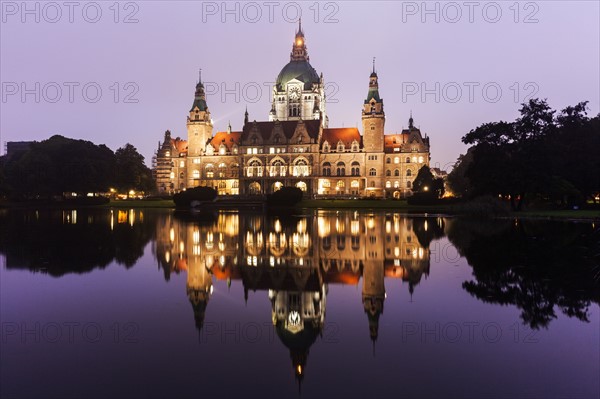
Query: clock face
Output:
(294,93)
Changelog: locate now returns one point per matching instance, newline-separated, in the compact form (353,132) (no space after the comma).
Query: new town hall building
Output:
(295,147)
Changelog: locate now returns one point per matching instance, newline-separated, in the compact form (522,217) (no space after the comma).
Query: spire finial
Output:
(199,75)
(373,64)
(300,25)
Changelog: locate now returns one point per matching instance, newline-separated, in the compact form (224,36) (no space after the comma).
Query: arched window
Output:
(254,169)
(388,172)
(235,170)
(222,170)
(340,147)
(420,159)
(210,171)
(355,168)
(407,160)
(408,173)
(341,169)
(277,169)
(341,184)
(172,175)
(222,149)
(326,169)
(254,188)
(396,172)
(396,159)
(372,172)
(326,147)
(354,146)
(181,175)
(354,184)
(300,168)
(388,184)
(388,160)
(396,184)
(408,184)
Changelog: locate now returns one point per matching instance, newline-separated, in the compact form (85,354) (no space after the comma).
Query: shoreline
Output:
(329,204)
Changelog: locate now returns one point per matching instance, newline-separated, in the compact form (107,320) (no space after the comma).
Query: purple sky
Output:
(556,58)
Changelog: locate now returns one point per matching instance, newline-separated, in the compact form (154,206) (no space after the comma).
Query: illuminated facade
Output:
(295,146)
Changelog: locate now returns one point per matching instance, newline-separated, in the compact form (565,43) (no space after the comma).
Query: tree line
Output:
(59,165)
(543,156)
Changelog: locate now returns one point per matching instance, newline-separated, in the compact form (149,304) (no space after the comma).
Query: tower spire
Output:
(199,75)
(373,64)
(299,52)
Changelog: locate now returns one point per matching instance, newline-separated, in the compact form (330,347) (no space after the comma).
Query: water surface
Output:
(131,303)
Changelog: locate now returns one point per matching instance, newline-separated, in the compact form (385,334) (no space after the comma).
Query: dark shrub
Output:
(286,196)
(184,199)
(485,206)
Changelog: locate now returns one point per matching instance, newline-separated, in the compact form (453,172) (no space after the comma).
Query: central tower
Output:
(299,91)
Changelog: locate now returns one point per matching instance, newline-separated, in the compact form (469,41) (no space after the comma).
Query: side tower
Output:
(199,130)
(373,121)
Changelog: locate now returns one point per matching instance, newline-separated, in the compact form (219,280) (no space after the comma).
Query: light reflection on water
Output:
(421,293)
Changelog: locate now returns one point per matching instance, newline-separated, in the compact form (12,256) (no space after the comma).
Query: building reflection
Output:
(294,260)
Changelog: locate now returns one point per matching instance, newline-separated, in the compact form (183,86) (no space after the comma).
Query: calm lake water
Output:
(140,303)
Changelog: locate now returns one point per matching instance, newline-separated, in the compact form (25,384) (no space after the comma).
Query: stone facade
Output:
(295,146)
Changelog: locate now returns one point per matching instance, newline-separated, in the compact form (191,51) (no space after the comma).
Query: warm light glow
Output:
(299,369)
(298,42)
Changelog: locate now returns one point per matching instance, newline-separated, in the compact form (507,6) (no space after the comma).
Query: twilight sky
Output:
(454,64)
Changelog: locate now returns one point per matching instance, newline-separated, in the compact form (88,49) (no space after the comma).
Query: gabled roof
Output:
(344,134)
(287,127)
(229,139)
(401,140)
(395,140)
(179,145)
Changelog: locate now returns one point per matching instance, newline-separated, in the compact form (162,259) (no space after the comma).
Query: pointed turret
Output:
(373,116)
(199,124)
(299,52)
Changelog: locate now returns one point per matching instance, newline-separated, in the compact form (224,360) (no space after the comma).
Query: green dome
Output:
(301,70)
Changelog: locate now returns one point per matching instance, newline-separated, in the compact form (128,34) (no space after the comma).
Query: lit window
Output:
(372,172)
(396,159)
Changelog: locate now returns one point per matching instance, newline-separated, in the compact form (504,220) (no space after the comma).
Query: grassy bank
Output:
(396,205)
(561,214)
(392,205)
